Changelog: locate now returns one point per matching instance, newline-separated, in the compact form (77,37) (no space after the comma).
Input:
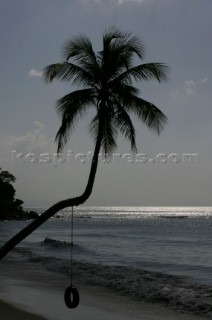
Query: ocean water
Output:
(157,254)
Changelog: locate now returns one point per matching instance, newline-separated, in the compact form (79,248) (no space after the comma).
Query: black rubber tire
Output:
(71,297)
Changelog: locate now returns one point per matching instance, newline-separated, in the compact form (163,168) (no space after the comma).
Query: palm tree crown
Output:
(107,79)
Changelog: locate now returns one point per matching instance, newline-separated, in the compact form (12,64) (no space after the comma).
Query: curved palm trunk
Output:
(58,206)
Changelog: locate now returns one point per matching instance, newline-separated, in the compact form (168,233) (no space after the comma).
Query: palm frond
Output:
(118,52)
(94,128)
(123,122)
(109,35)
(109,136)
(63,132)
(66,71)
(146,111)
(147,71)
(114,40)
(71,108)
(121,90)
(109,132)
(81,50)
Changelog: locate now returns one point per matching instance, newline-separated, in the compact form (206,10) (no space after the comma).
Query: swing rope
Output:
(71,295)
(72,243)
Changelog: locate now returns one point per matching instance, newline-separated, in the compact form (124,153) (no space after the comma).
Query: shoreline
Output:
(9,312)
(40,292)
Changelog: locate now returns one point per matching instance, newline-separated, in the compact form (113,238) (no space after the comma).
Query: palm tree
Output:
(106,83)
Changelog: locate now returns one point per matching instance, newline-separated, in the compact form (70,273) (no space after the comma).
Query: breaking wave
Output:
(64,245)
(56,243)
(176,292)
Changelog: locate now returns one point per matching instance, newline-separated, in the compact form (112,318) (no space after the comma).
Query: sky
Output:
(176,32)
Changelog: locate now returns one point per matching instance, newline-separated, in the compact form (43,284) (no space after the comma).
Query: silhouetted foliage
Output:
(11,208)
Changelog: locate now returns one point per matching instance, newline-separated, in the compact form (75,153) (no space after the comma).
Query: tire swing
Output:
(71,295)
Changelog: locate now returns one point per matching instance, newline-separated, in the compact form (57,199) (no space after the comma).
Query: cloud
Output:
(203,80)
(190,86)
(34,141)
(34,73)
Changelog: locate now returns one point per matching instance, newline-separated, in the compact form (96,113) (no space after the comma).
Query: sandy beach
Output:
(9,312)
(39,293)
